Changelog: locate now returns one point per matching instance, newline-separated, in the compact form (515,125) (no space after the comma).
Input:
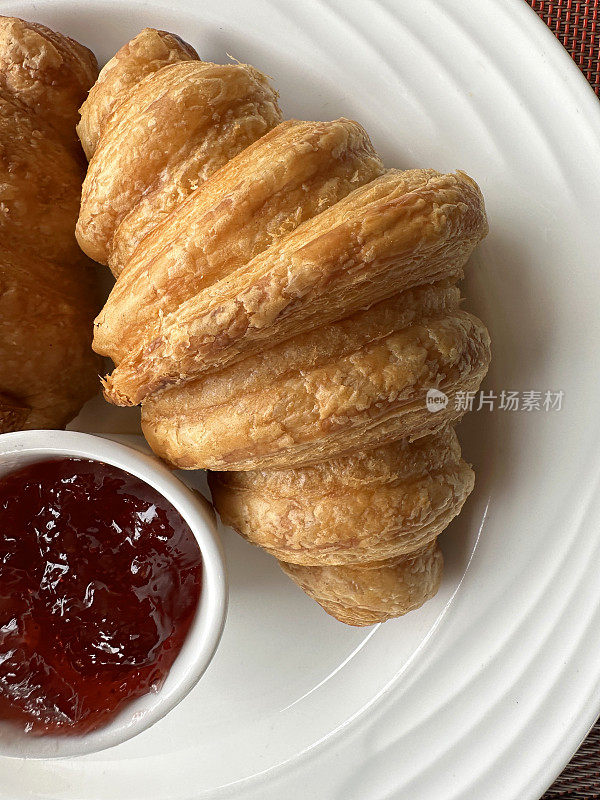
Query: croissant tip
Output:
(115,396)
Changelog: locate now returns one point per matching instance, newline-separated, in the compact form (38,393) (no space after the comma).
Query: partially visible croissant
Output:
(283,304)
(47,297)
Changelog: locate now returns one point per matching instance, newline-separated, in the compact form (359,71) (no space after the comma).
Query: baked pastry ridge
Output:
(398,231)
(167,134)
(356,382)
(368,506)
(367,594)
(45,72)
(145,54)
(357,533)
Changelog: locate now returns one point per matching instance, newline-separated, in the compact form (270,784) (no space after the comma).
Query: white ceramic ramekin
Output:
(25,447)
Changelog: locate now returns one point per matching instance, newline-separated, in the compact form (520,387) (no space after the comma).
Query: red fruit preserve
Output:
(99,581)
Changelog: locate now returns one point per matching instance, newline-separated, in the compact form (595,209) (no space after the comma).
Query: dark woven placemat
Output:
(581,778)
(576,23)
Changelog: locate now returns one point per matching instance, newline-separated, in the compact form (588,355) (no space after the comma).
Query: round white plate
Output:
(486,691)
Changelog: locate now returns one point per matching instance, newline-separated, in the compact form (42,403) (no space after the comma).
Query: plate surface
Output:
(487,690)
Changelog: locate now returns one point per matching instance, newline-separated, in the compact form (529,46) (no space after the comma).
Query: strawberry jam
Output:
(99,581)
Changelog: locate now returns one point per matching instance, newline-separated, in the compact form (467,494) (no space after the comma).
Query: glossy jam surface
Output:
(99,581)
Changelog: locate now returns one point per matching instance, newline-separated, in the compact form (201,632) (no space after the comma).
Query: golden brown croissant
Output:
(282,307)
(47,300)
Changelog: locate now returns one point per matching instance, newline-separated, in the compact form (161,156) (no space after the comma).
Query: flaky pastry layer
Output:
(401,230)
(265,192)
(354,383)
(46,72)
(40,185)
(174,129)
(145,54)
(47,367)
(369,506)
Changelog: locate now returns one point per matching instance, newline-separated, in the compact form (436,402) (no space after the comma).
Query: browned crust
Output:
(174,129)
(369,506)
(354,383)
(145,54)
(49,72)
(366,595)
(292,173)
(401,230)
(47,294)
(13,414)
